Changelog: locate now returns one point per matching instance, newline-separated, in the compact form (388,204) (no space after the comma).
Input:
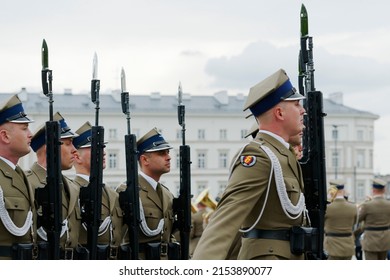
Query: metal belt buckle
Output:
(68,254)
(35,252)
(164,249)
(113,252)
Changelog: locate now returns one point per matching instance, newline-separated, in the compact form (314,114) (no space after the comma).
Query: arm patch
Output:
(248,161)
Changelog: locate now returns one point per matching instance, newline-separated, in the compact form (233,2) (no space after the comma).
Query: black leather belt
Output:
(67,254)
(282,234)
(338,234)
(163,247)
(5,251)
(377,228)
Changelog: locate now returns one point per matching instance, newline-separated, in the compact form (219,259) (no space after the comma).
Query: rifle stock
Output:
(182,204)
(91,196)
(129,199)
(50,196)
(313,160)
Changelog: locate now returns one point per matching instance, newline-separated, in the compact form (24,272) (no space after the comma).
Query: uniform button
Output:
(270,250)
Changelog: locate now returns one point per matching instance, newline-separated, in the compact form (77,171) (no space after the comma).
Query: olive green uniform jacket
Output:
(154,210)
(243,199)
(340,218)
(196,229)
(112,234)
(375,213)
(70,206)
(18,198)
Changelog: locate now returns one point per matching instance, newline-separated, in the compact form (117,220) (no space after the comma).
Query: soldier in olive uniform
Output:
(264,196)
(71,214)
(199,218)
(17,210)
(374,215)
(340,219)
(110,231)
(197,226)
(156,212)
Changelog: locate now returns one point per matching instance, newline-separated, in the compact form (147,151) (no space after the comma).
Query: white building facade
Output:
(215,130)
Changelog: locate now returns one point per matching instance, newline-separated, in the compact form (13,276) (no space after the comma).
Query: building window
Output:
(177,188)
(112,133)
(201,134)
(112,160)
(177,159)
(360,194)
(221,189)
(335,158)
(223,159)
(244,132)
(371,159)
(201,186)
(222,134)
(360,135)
(201,160)
(360,158)
(335,133)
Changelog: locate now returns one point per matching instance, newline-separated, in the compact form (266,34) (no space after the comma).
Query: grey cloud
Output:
(332,72)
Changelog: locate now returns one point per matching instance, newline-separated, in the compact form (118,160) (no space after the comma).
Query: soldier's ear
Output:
(279,112)
(76,156)
(4,135)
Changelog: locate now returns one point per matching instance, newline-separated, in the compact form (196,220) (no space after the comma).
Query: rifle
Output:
(129,199)
(91,196)
(50,196)
(182,204)
(313,160)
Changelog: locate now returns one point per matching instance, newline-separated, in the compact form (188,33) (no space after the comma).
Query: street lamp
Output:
(335,136)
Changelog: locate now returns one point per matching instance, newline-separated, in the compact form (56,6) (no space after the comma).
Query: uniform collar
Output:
(277,137)
(149,179)
(13,166)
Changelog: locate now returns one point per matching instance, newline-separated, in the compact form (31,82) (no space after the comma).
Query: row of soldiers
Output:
(351,229)
(345,223)
(263,207)
(21,234)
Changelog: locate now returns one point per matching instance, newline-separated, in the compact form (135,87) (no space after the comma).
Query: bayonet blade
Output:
(123,80)
(95,67)
(180,95)
(45,55)
(304,22)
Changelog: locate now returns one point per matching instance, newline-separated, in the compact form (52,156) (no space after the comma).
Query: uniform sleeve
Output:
(247,184)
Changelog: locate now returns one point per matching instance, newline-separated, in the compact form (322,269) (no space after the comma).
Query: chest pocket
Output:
(152,214)
(293,188)
(16,204)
